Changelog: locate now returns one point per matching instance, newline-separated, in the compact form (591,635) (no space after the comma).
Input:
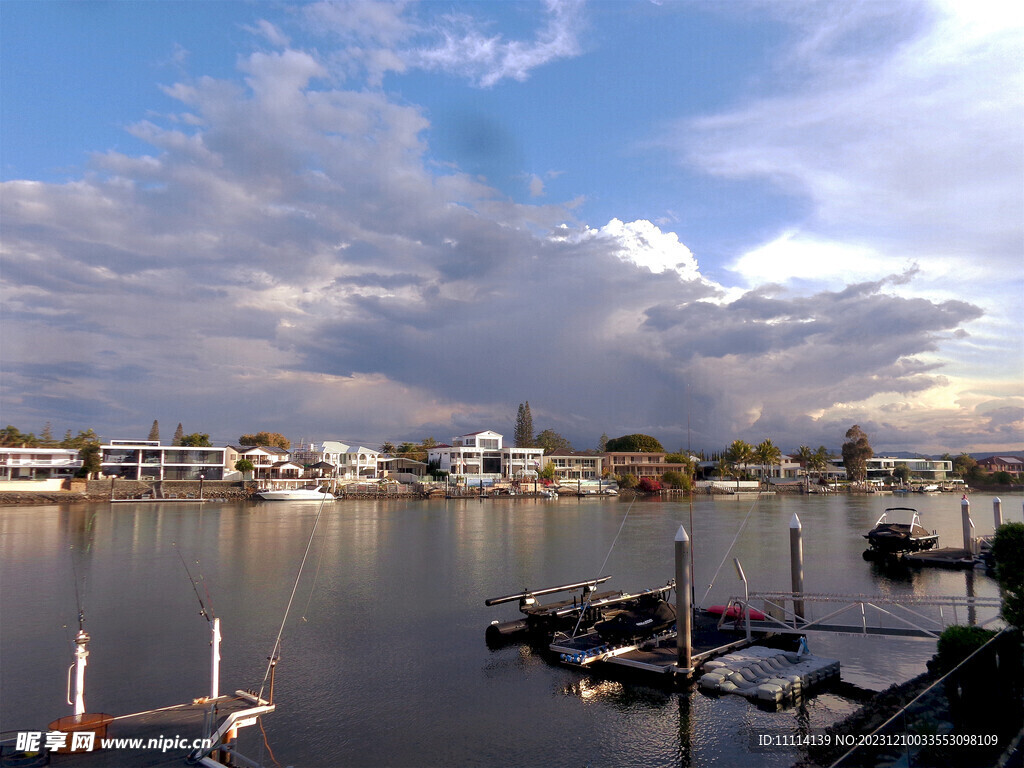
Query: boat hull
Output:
(297,494)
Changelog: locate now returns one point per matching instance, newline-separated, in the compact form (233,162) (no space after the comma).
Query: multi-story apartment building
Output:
(640,464)
(148,460)
(927,469)
(576,465)
(481,454)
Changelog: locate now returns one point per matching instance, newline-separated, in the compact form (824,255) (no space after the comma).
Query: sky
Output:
(373,222)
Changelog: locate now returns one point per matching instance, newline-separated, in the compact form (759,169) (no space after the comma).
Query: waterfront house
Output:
(148,460)
(269,462)
(880,467)
(481,455)
(1011,464)
(37,469)
(347,462)
(641,464)
(577,465)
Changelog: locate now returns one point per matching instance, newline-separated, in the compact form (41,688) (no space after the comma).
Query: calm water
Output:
(384,660)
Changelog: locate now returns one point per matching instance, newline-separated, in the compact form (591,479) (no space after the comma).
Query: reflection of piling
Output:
(683,608)
(997,512)
(796,563)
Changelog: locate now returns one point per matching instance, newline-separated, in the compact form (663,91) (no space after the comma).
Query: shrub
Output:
(647,485)
(956,643)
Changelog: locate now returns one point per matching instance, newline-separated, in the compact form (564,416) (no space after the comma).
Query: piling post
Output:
(81,659)
(796,565)
(215,660)
(997,512)
(965,521)
(684,611)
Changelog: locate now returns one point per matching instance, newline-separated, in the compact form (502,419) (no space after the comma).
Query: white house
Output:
(37,469)
(481,454)
(349,462)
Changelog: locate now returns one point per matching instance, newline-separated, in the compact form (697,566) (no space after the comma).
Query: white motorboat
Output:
(297,494)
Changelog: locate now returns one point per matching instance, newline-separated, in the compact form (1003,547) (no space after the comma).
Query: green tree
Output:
(46,438)
(79,441)
(1008,553)
(821,459)
(965,465)
(856,452)
(196,440)
(245,467)
(602,444)
(552,442)
(676,479)
(12,437)
(154,431)
(634,444)
(270,439)
(387,447)
(91,456)
(767,455)
(627,481)
(902,473)
(524,426)
(547,472)
(737,457)
(178,434)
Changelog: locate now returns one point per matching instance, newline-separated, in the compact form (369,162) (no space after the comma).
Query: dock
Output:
(656,656)
(946,557)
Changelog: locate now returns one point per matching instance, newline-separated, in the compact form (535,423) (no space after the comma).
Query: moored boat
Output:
(898,530)
(297,494)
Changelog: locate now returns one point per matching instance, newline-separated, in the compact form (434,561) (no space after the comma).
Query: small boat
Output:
(297,494)
(904,534)
(646,619)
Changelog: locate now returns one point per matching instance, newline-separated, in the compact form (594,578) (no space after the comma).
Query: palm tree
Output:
(804,455)
(768,454)
(820,460)
(739,454)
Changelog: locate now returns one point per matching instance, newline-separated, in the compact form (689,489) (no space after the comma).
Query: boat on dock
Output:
(541,621)
(896,532)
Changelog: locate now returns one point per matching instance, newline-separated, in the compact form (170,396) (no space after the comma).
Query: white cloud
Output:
(292,253)
(643,244)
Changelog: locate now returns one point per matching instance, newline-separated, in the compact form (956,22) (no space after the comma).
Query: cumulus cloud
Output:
(290,252)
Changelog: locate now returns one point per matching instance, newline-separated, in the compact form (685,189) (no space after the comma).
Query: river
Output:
(383,659)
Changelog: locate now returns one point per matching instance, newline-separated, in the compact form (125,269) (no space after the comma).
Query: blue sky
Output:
(377,221)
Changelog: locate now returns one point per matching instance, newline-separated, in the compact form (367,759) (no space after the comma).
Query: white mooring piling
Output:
(997,512)
(81,659)
(796,562)
(966,523)
(684,615)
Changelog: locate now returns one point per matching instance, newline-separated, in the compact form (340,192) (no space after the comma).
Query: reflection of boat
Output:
(296,494)
(904,534)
